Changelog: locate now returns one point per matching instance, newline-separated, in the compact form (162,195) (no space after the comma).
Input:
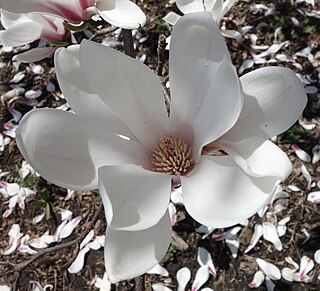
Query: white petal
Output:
(289,274)
(233,246)
(270,285)
(290,261)
(122,13)
(87,239)
(67,150)
(270,234)
(217,115)
(78,263)
(190,6)
(269,269)
(69,227)
(196,51)
(159,270)
(306,175)
(160,287)
(317,256)
(133,198)
(171,18)
(259,157)
(231,34)
(281,227)
(246,64)
(274,99)
(129,254)
(20,34)
(202,277)
(80,96)
(118,80)
(225,194)
(204,259)
(35,54)
(257,280)
(302,155)
(183,278)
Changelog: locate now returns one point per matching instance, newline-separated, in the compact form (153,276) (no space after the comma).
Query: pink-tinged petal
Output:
(69,10)
(133,198)
(14,239)
(20,34)
(202,277)
(274,99)
(15,114)
(171,18)
(35,54)
(80,96)
(190,6)
(7,213)
(70,226)
(78,263)
(121,13)
(306,175)
(183,278)
(223,188)
(259,157)
(173,214)
(197,50)
(204,259)
(33,94)
(68,150)
(56,236)
(129,254)
(11,188)
(120,80)
(269,269)
(270,234)
(17,77)
(257,280)
(306,265)
(302,155)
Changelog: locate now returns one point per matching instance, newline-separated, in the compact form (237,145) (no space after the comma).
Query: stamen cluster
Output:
(172,157)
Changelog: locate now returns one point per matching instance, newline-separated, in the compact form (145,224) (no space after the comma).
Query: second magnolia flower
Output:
(113,96)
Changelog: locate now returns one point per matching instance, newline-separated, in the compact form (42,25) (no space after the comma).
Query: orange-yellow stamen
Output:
(172,156)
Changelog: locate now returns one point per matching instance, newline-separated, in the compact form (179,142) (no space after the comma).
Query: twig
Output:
(103,31)
(160,53)
(139,283)
(128,42)
(18,268)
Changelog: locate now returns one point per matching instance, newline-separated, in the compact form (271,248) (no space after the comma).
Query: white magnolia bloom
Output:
(298,273)
(113,95)
(21,29)
(121,13)
(217,8)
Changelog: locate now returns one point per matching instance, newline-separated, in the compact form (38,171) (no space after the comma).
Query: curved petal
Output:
(218,114)
(188,6)
(196,52)
(67,150)
(20,34)
(81,97)
(171,18)
(121,13)
(35,54)
(70,10)
(9,19)
(274,99)
(259,157)
(129,254)
(133,198)
(218,193)
(129,88)
(231,33)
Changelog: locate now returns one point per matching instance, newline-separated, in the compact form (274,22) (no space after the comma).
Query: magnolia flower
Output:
(217,8)
(122,13)
(21,29)
(120,132)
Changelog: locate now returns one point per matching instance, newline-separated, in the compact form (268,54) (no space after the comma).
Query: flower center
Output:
(172,156)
